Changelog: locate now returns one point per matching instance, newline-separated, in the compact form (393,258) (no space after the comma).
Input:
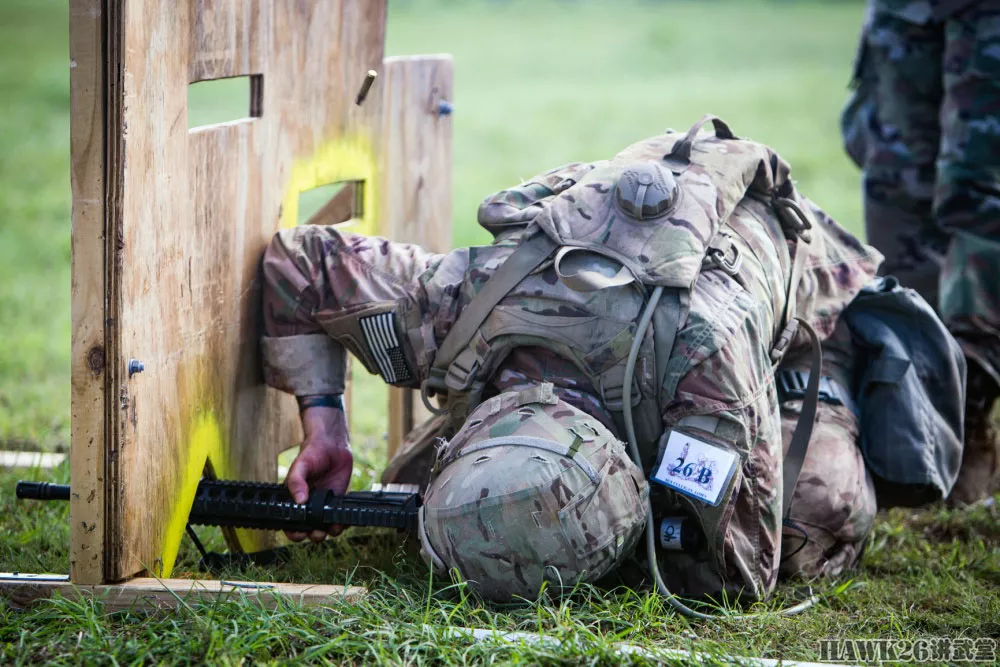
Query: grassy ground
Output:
(927,574)
(538,84)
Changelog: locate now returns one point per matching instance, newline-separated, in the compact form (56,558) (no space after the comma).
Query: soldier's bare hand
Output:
(324,462)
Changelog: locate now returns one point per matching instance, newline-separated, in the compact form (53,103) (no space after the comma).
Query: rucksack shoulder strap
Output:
(532,251)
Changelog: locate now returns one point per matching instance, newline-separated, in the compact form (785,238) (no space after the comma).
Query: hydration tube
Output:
(633,444)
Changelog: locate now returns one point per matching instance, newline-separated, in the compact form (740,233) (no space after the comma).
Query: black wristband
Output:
(320,401)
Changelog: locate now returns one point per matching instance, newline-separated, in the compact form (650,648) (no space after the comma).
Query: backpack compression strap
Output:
(526,258)
(792,466)
(798,224)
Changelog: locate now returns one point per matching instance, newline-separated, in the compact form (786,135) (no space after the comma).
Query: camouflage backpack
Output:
(656,215)
(603,273)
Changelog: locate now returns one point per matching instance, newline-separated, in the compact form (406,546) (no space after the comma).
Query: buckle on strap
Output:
(462,371)
(434,384)
(794,221)
(613,396)
(792,386)
(543,393)
(784,341)
(715,258)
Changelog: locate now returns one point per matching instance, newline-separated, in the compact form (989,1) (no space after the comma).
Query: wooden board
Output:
(169,224)
(415,180)
(146,594)
(88,359)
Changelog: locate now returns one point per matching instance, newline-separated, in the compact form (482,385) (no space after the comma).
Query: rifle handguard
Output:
(271,507)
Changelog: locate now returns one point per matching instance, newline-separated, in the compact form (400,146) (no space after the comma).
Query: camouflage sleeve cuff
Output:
(304,365)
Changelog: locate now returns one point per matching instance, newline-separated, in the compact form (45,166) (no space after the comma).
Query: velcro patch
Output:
(696,468)
(384,346)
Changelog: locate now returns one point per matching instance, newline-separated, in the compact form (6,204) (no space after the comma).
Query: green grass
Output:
(542,84)
(927,574)
(34,226)
(537,84)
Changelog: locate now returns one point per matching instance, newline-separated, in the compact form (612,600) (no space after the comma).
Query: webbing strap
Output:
(666,322)
(798,224)
(799,228)
(525,259)
(798,268)
(681,152)
(796,455)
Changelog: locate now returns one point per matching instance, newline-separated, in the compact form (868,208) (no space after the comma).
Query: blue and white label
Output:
(696,468)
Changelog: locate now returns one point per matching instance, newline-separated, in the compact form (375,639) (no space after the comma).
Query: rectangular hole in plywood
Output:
(338,203)
(220,101)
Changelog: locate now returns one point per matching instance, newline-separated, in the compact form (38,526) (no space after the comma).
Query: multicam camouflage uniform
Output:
(325,290)
(925,126)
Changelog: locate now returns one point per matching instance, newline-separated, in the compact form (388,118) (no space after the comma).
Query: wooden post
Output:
(89,357)
(168,229)
(416,180)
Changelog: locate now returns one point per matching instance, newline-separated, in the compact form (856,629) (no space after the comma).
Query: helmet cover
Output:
(529,490)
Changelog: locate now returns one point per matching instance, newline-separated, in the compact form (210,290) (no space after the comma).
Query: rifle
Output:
(265,506)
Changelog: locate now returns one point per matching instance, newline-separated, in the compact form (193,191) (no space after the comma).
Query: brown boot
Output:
(979,476)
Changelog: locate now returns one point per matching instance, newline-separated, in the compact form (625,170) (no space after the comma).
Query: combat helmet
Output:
(530,490)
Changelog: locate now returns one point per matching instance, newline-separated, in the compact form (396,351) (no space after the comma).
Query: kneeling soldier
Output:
(678,315)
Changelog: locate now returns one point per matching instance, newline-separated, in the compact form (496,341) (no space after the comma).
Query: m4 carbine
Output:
(271,507)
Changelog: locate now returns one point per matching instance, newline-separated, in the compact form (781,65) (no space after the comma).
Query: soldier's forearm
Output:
(304,365)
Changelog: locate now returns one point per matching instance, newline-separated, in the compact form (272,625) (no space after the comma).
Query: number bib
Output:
(695,468)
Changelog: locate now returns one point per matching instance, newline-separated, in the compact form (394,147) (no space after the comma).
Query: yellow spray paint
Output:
(344,159)
(204,442)
(350,158)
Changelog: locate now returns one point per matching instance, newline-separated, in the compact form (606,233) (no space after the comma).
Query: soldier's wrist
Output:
(335,401)
(324,424)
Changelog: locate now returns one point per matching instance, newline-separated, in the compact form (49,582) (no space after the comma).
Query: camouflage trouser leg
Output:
(967,194)
(857,120)
(932,177)
(905,60)
(834,506)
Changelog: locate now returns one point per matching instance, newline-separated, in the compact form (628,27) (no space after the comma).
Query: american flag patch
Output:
(380,334)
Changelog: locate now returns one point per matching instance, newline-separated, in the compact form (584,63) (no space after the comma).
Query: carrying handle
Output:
(682,149)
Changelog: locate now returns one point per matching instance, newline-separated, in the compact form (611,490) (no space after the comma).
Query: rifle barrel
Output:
(41,491)
(270,506)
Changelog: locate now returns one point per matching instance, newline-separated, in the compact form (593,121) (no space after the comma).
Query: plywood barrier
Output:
(169,224)
(416,176)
